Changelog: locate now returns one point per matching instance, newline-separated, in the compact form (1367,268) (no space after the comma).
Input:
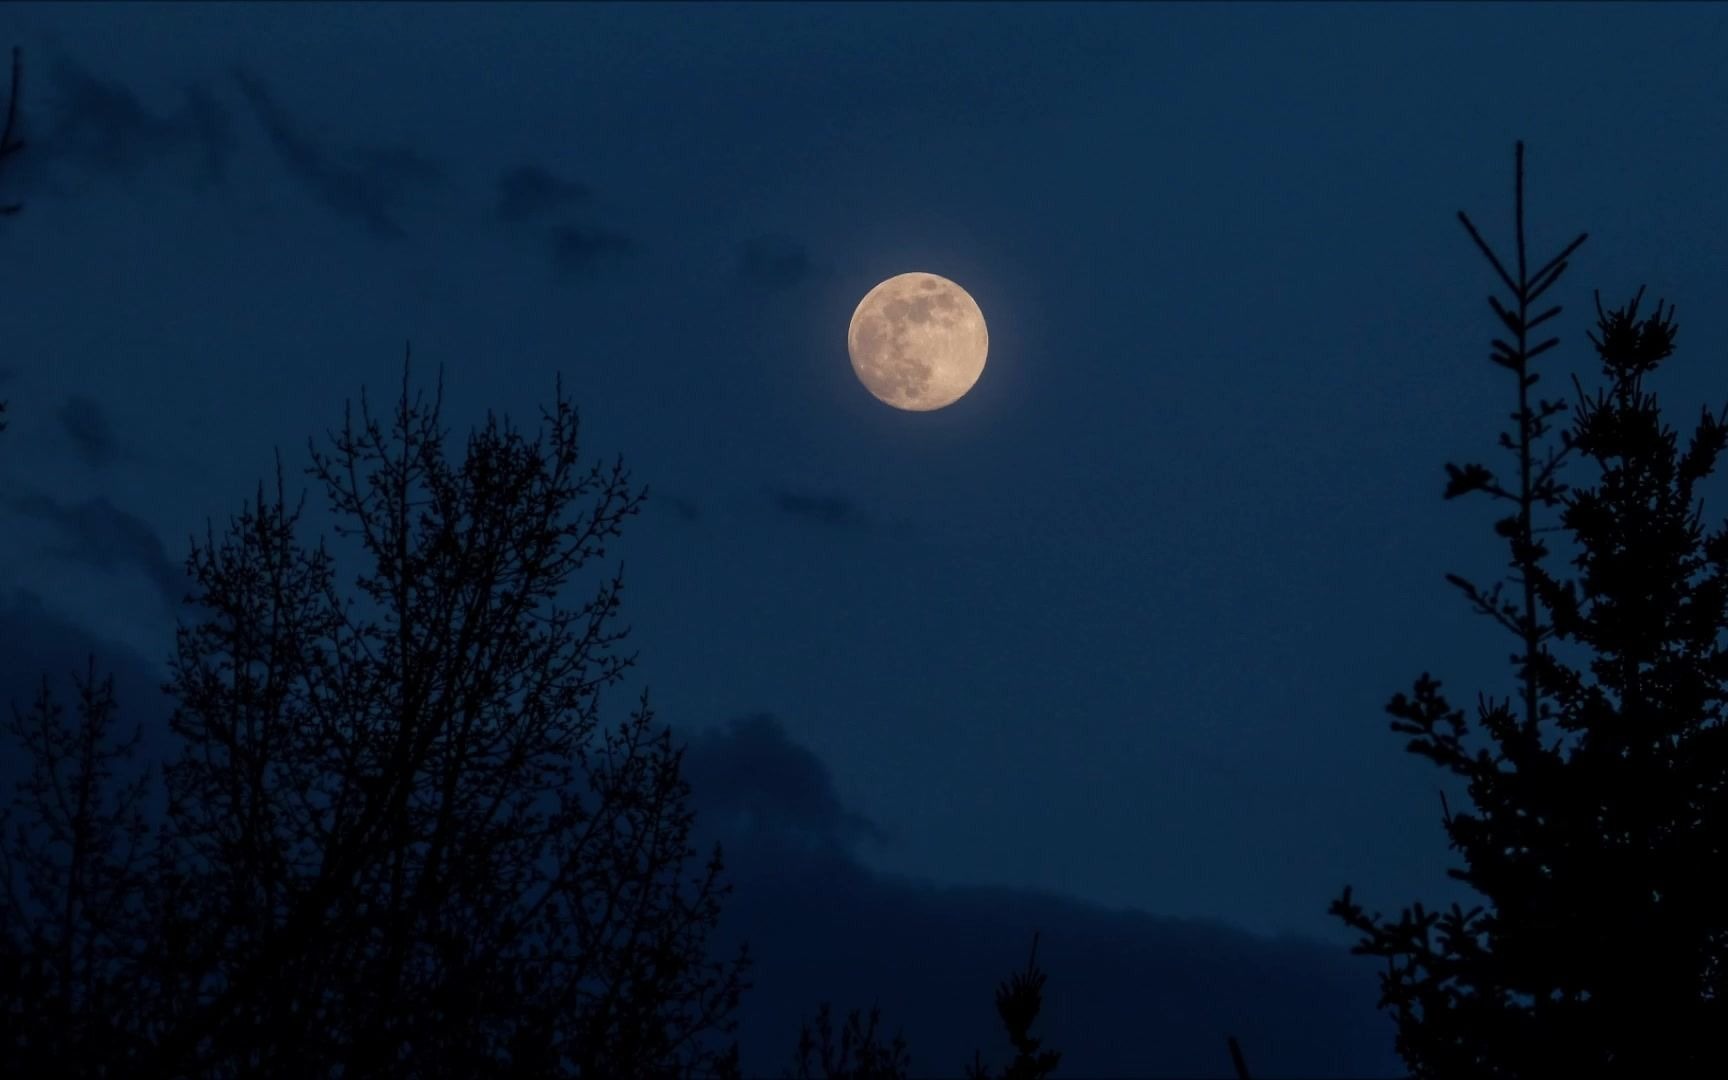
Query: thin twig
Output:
(9,145)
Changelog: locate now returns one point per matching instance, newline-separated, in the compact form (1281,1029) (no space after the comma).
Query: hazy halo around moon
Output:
(918,342)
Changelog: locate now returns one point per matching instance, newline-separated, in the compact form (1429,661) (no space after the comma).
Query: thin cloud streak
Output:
(369,192)
(87,425)
(822,508)
(531,191)
(100,535)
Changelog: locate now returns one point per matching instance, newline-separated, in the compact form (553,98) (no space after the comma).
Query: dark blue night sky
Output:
(1101,649)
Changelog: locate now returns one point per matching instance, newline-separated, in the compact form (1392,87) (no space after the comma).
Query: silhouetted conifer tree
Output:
(1600,812)
(860,1055)
(1018,1000)
(397,844)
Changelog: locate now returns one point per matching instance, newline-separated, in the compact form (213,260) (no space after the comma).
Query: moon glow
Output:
(918,342)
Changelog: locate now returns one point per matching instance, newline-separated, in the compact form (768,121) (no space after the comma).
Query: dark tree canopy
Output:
(398,843)
(1600,810)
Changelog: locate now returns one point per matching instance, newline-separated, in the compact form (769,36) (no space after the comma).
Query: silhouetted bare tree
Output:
(400,843)
(73,864)
(10,144)
(1600,813)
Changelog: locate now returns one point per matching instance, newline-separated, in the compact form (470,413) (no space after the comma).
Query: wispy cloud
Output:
(822,508)
(579,248)
(686,509)
(105,128)
(368,187)
(775,261)
(99,534)
(751,775)
(530,191)
(101,126)
(84,421)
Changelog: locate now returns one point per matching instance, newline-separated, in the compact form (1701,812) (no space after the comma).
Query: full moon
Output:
(918,342)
